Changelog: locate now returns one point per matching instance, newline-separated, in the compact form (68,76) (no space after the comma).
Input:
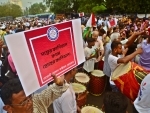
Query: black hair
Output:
(13,86)
(146,37)
(102,31)
(114,28)
(90,40)
(115,102)
(115,44)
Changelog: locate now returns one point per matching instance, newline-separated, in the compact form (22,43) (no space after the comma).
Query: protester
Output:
(98,45)
(91,54)
(142,101)
(115,102)
(67,102)
(117,43)
(16,101)
(144,60)
(114,60)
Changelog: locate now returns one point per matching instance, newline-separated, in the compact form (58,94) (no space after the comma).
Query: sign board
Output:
(81,14)
(52,49)
(112,22)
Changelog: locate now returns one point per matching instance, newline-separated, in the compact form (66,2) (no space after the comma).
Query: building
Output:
(17,2)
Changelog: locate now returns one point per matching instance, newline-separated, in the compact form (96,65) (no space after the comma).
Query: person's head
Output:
(91,41)
(116,29)
(147,37)
(27,28)
(132,27)
(102,32)
(139,26)
(14,98)
(114,36)
(95,35)
(115,102)
(116,47)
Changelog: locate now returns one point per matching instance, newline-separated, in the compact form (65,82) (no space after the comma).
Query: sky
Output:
(25,3)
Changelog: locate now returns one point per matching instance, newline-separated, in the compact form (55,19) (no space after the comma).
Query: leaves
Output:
(37,8)
(10,10)
(99,9)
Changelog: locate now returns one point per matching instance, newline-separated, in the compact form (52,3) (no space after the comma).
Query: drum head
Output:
(90,109)
(121,70)
(78,88)
(97,73)
(82,77)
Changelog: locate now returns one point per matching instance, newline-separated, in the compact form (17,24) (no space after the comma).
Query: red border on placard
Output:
(43,31)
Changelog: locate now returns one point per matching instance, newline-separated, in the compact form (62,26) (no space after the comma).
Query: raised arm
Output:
(132,38)
(46,97)
(129,57)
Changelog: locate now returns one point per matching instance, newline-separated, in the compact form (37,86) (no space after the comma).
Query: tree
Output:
(97,6)
(10,10)
(59,6)
(99,9)
(37,8)
(129,6)
(63,6)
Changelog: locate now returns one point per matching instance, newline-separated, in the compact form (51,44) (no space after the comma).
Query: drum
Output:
(90,109)
(81,94)
(97,82)
(101,65)
(82,78)
(128,78)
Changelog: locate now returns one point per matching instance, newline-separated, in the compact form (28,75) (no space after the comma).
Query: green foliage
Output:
(98,6)
(66,6)
(99,9)
(37,8)
(10,10)
(129,6)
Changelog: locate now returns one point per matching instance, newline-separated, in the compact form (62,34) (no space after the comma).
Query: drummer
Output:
(67,102)
(90,54)
(98,45)
(117,56)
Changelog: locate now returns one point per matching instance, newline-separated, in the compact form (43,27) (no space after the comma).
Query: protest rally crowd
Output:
(117,53)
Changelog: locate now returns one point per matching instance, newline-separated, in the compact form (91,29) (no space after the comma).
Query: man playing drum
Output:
(115,58)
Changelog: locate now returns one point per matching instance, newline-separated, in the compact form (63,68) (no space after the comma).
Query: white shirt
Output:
(142,102)
(89,64)
(1,107)
(112,61)
(66,103)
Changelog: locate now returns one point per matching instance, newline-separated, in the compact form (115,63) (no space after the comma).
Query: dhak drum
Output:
(90,109)
(128,78)
(81,93)
(97,82)
(82,78)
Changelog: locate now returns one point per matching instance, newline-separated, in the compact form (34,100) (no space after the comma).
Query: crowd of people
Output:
(105,48)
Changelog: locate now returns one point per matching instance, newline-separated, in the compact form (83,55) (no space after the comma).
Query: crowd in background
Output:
(105,47)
